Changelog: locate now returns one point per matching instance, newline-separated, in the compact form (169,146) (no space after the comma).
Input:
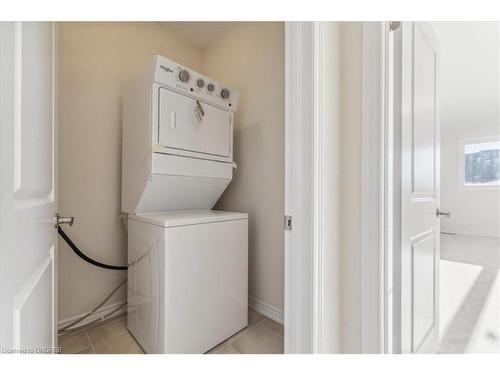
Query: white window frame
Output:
(461,162)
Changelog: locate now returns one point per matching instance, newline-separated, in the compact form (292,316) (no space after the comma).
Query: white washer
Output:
(188,284)
(188,264)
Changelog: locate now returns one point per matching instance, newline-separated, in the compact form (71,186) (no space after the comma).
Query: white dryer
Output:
(188,264)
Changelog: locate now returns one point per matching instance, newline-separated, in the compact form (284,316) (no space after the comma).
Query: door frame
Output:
(381,191)
(310,321)
(382,188)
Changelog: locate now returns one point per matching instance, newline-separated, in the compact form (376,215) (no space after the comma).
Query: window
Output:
(480,162)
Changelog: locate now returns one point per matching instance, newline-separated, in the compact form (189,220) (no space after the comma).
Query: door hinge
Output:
(288,222)
(394,25)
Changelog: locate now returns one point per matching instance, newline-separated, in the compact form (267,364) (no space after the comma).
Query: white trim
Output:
(318,207)
(99,314)
(469,232)
(304,190)
(55,151)
(266,309)
(373,176)
(18,101)
(4,32)
(299,93)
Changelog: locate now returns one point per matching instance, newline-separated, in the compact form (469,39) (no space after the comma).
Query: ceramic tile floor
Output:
(262,336)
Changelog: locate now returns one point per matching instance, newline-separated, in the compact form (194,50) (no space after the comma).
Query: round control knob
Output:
(210,87)
(200,83)
(224,93)
(184,75)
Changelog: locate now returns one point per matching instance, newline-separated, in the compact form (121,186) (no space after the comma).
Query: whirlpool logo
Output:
(166,69)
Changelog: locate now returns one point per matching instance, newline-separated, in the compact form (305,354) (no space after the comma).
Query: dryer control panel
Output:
(188,82)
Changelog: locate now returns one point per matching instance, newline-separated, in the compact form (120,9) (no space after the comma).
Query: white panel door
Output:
(180,129)
(420,190)
(27,178)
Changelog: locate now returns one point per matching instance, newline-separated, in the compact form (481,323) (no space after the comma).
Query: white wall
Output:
(468,73)
(250,59)
(96,62)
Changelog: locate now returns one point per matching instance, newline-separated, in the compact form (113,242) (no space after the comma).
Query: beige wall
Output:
(250,58)
(351,50)
(96,62)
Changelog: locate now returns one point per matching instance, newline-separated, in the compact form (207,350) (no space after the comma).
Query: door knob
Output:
(58,220)
(441,213)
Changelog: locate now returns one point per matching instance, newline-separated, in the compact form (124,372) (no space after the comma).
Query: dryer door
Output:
(180,127)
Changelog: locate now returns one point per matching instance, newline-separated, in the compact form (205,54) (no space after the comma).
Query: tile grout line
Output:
(260,323)
(101,326)
(268,330)
(227,343)
(232,347)
(90,341)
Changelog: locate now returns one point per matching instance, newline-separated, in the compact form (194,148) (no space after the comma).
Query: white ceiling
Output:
(469,73)
(199,34)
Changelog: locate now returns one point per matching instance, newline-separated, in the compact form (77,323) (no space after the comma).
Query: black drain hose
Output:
(84,257)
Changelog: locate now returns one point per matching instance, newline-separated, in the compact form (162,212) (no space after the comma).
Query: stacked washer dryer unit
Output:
(188,264)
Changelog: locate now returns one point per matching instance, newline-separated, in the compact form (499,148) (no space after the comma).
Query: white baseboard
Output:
(263,308)
(266,309)
(99,314)
(470,232)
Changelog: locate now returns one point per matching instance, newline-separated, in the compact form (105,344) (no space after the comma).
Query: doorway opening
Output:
(446,223)
(433,103)
(97,63)
(469,312)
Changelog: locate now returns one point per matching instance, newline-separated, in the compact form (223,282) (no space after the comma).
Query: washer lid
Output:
(180,218)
